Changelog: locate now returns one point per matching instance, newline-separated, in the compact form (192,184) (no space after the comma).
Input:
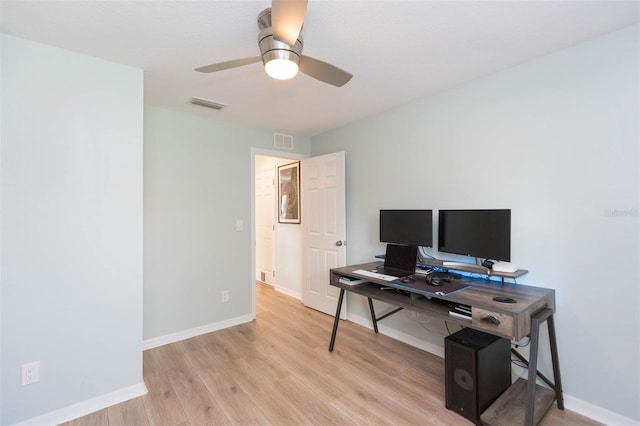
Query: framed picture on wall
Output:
(289,193)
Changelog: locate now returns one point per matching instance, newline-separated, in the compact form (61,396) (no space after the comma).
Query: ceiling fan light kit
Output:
(280,46)
(280,60)
(281,69)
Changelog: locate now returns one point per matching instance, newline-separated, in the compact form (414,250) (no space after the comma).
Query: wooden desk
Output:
(532,307)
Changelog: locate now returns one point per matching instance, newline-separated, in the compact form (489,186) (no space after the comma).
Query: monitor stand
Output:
(474,268)
(465,264)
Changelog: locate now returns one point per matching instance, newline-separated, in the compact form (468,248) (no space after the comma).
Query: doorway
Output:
(276,251)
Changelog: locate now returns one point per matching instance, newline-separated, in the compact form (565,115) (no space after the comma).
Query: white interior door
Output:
(324,228)
(265,219)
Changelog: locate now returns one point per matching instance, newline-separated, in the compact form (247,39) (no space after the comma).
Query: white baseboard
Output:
(87,407)
(289,292)
(398,335)
(193,332)
(594,412)
(570,402)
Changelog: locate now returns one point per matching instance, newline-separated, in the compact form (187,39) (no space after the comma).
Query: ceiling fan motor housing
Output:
(270,48)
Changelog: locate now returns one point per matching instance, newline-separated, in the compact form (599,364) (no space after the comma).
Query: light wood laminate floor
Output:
(277,370)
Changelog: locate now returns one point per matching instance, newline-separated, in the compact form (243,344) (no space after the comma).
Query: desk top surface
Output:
(479,293)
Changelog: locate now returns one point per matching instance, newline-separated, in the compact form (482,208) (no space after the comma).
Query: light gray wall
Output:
(71,264)
(557,141)
(197,184)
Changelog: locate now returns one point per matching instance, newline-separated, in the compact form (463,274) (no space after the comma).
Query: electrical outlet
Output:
(224,296)
(30,373)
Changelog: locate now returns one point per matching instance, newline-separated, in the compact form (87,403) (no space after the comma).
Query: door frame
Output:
(268,153)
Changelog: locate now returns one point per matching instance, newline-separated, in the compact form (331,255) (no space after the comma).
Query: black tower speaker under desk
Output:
(477,371)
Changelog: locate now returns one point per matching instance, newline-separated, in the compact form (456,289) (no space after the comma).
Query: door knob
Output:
(340,243)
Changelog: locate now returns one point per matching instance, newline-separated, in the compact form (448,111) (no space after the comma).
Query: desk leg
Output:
(556,364)
(533,370)
(336,320)
(373,315)
(536,320)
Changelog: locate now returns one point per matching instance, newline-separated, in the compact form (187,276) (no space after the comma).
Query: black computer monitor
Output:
(484,234)
(408,227)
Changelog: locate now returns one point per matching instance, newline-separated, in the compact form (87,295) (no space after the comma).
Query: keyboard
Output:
(376,275)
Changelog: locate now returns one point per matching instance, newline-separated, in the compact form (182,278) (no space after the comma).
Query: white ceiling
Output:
(397,50)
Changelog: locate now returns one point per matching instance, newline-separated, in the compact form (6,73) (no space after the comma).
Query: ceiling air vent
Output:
(282,141)
(207,103)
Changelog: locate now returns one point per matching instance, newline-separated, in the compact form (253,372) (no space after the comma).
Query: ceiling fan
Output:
(280,44)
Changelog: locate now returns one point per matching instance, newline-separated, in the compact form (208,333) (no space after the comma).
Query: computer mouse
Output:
(406,279)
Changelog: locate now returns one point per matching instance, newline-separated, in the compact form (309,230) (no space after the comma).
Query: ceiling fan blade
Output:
(229,64)
(323,71)
(287,17)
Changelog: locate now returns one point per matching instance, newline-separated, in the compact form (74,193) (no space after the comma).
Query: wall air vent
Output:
(282,141)
(207,103)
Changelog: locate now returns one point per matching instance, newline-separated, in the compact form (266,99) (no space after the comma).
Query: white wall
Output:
(71,264)
(557,141)
(197,184)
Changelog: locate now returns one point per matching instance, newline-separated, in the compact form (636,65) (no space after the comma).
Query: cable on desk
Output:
(518,345)
(515,360)
(422,253)
(446,324)
(519,363)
